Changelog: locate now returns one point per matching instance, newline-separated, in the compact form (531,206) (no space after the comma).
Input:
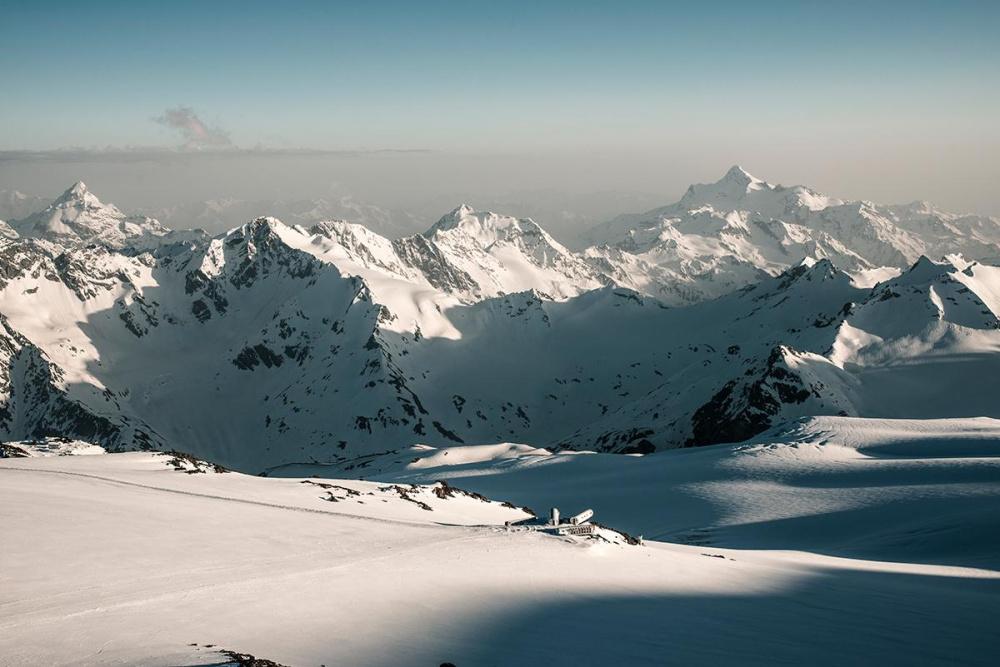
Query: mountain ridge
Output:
(272,343)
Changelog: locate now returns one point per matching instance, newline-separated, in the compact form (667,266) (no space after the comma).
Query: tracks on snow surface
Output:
(245,501)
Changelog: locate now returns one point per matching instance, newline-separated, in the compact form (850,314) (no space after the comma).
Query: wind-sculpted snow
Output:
(273,344)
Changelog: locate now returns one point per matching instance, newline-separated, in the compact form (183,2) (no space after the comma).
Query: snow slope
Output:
(907,490)
(141,563)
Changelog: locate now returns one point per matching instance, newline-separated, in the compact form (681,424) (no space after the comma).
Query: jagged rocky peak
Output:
(350,235)
(258,229)
(822,269)
(944,276)
(260,234)
(263,224)
(257,250)
(333,228)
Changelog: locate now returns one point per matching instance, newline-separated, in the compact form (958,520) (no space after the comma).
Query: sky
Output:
(891,101)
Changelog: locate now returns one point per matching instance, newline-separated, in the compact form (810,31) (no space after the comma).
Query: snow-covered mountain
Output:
(78,216)
(276,344)
(727,234)
(505,255)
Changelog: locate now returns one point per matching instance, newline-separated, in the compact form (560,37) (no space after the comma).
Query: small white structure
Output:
(577,525)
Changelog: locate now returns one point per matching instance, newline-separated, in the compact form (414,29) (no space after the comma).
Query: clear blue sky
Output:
(889,100)
(486,74)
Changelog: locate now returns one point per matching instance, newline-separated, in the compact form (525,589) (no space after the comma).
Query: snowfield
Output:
(925,491)
(143,559)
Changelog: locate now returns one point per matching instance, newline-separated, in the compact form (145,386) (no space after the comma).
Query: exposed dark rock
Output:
(445,432)
(9,451)
(251,357)
(201,311)
(247,660)
(745,407)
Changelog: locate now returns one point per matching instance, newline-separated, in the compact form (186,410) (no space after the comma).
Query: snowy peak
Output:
(77,195)
(720,236)
(355,249)
(77,216)
(727,191)
(79,198)
(485,227)
(453,219)
(739,177)
(491,232)
(923,271)
(933,306)
(461,211)
(813,270)
(503,254)
(261,236)
(739,190)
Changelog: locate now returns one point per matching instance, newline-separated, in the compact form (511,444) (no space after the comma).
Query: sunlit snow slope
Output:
(908,490)
(143,560)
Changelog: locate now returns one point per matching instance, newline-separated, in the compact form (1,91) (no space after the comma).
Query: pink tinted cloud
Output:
(195,132)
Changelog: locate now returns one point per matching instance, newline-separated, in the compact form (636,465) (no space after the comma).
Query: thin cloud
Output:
(183,153)
(193,130)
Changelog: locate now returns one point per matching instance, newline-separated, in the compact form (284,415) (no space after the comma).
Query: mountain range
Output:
(708,320)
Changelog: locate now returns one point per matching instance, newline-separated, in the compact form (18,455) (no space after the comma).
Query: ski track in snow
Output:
(245,501)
